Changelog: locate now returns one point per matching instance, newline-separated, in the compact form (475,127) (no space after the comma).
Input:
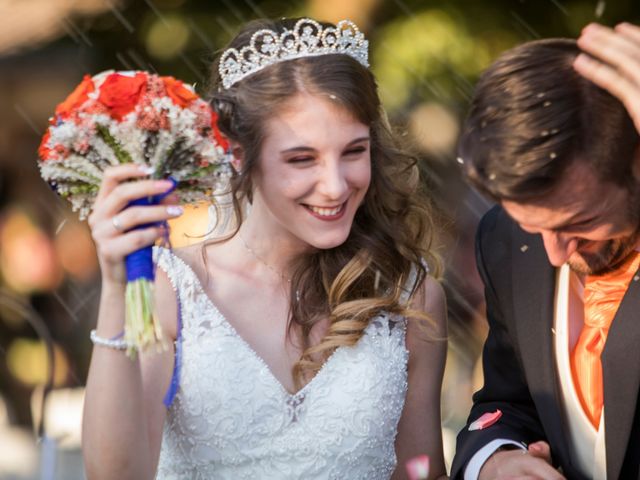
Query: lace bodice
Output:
(232,419)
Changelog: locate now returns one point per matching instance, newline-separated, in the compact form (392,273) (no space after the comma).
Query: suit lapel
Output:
(533,295)
(621,372)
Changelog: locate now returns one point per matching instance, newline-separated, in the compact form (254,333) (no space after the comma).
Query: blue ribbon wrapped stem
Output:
(142,330)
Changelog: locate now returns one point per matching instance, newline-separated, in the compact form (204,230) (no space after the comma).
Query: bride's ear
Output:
(236,155)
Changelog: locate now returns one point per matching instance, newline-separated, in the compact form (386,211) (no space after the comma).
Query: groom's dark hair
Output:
(532,115)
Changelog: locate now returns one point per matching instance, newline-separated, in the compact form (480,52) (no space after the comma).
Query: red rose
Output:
(77,98)
(176,90)
(121,93)
(216,133)
(43,149)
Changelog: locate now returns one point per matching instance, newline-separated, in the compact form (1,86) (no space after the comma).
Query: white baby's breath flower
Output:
(103,150)
(130,137)
(165,143)
(101,119)
(83,166)
(64,134)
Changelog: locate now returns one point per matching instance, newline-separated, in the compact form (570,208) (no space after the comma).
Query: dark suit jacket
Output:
(520,377)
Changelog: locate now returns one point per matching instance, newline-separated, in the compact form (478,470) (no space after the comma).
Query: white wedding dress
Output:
(231,418)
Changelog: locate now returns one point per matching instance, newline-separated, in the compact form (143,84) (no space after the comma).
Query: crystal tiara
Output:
(307,39)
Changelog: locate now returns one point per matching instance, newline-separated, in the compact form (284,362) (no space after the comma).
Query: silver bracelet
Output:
(115,343)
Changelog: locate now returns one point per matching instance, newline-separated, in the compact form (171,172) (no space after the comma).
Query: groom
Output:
(552,136)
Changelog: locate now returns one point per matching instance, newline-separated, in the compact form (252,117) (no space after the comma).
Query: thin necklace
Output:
(259,258)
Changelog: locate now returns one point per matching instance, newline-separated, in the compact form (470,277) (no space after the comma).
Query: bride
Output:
(310,341)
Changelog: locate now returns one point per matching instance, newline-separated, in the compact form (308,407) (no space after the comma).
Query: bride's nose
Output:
(332,181)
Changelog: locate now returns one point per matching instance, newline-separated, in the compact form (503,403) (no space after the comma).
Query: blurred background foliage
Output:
(426,55)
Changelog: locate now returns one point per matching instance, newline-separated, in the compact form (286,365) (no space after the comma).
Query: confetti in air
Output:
(418,467)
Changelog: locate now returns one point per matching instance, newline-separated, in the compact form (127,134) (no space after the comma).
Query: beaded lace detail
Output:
(232,419)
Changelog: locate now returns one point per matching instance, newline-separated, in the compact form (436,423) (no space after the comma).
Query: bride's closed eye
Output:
(300,160)
(356,151)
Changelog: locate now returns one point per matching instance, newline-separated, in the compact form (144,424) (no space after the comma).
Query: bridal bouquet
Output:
(123,117)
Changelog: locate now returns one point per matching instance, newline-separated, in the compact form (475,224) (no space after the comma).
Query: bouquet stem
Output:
(142,329)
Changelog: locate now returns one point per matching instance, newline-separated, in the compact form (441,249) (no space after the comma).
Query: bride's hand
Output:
(614,64)
(111,222)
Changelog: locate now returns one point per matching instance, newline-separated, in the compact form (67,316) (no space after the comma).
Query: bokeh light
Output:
(435,128)
(167,37)
(27,361)
(27,258)
(190,227)
(76,250)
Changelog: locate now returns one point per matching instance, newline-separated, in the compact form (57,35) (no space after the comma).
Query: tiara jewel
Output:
(307,39)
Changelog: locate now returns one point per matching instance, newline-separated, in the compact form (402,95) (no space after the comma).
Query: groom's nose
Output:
(559,246)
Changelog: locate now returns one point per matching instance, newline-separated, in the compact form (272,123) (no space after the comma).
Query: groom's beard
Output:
(611,253)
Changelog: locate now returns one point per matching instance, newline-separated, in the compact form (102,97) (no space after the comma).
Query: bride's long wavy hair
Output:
(393,229)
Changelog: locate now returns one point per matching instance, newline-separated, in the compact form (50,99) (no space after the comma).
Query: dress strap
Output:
(165,259)
(177,363)
(173,266)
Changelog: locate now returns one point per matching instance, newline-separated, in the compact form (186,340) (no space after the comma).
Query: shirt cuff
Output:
(472,470)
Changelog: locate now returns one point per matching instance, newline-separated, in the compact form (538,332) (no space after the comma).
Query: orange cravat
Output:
(602,297)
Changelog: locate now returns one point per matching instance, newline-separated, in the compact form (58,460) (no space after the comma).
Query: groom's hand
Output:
(534,463)
(613,62)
